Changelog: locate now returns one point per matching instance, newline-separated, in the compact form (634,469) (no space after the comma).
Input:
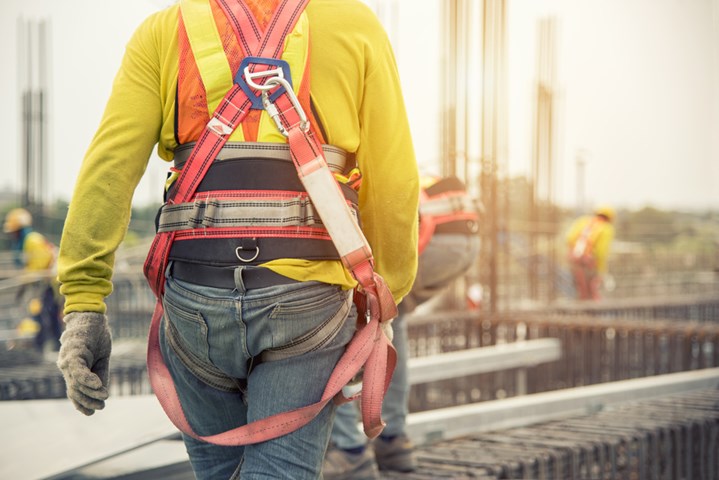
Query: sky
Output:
(637,92)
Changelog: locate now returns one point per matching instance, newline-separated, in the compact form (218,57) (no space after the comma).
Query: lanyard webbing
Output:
(375,302)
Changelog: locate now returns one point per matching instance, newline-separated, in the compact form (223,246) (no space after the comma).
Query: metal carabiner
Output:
(272,110)
(251,81)
(251,76)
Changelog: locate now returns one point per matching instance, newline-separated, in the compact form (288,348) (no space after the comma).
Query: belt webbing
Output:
(292,211)
(369,347)
(337,159)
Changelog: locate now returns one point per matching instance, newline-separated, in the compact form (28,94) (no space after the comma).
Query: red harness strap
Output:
(369,347)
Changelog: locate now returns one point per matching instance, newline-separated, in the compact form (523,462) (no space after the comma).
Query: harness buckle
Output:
(248,80)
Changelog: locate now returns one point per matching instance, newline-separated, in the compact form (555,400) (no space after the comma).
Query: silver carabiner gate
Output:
(272,110)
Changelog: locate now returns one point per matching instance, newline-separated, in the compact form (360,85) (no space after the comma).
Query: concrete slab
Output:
(152,461)
(43,439)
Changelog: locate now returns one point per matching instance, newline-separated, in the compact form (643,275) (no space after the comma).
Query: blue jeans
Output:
(446,257)
(211,340)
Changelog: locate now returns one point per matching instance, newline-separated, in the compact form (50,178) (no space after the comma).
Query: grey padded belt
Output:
(337,159)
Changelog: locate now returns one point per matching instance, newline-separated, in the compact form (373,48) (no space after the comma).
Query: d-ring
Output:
(247,260)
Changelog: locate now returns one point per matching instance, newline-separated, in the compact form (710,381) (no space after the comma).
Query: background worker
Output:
(449,244)
(588,241)
(36,255)
(218,327)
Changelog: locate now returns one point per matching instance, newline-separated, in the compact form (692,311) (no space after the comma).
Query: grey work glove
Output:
(84,360)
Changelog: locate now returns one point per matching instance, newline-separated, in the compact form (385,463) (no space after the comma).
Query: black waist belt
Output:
(223,277)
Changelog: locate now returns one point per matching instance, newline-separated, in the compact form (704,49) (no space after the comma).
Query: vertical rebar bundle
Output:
(33,87)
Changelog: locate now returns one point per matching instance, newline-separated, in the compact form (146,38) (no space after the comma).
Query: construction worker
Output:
(36,255)
(449,245)
(588,242)
(244,283)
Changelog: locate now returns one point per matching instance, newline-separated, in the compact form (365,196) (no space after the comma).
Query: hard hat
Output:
(605,211)
(17,219)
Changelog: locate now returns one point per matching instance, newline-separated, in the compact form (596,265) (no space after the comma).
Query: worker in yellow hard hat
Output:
(36,254)
(34,251)
(588,241)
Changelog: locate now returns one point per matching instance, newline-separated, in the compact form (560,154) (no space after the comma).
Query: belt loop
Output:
(239,283)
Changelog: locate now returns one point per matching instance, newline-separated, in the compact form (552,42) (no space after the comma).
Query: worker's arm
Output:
(358,97)
(100,212)
(602,245)
(389,196)
(115,161)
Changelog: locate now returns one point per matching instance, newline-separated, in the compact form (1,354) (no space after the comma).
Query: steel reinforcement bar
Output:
(594,350)
(669,437)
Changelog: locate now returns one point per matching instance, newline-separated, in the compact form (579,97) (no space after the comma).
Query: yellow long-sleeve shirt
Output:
(356,91)
(38,253)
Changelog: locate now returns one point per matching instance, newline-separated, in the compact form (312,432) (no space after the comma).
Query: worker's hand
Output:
(84,360)
(387,329)
(609,283)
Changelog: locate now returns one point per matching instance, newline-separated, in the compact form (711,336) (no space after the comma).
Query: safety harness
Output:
(445,207)
(193,210)
(584,244)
